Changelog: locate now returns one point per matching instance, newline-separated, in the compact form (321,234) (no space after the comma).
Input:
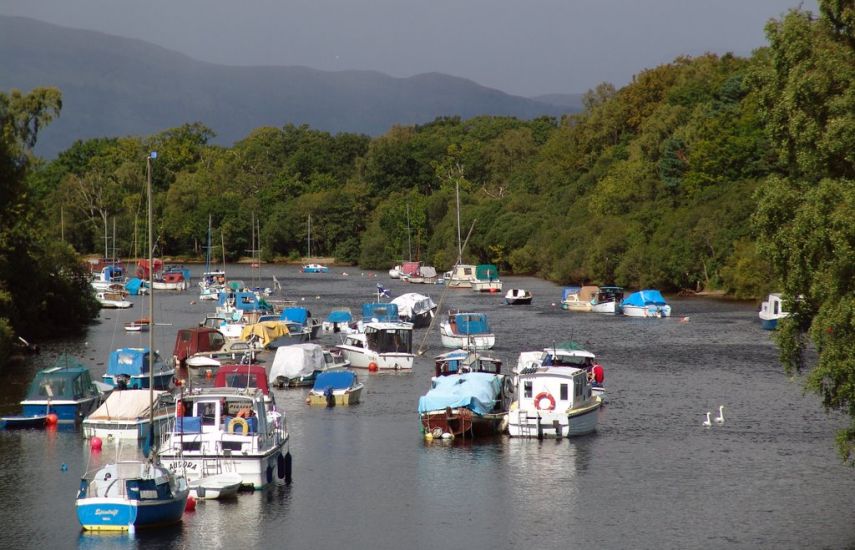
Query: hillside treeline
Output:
(651,185)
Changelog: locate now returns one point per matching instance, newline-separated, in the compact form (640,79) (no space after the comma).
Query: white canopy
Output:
(297,360)
(412,304)
(124,405)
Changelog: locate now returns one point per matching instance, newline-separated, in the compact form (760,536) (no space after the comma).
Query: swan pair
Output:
(718,419)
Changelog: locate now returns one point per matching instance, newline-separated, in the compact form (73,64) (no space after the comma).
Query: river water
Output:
(651,477)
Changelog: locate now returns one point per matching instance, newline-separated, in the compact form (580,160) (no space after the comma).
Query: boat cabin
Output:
(468,323)
(242,376)
(563,387)
(130,368)
(190,341)
(65,389)
(461,361)
(389,337)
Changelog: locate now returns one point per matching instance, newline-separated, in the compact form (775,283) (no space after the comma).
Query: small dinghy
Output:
(217,486)
(518,296)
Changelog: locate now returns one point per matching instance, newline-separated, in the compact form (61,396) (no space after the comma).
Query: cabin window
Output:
(527,388)
(775,308)
(208,412)
(578,386)
(564,394)
(215,340)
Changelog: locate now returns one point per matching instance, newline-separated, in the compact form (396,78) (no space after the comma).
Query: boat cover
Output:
(477,391)
(412,304)
(471,323)
(428,272)
(133,286)
(410,268)
(295,315)
(340,316)
(487,272)
(337,380)
(125,405)
(242,376)
(297,360)
(130,361)
(568,291)
(645,298)
(380,311)
(266,331)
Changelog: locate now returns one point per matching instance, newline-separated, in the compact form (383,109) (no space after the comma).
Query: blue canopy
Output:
(645,298)
(380,311)
(133,286)
(568,291)
(472,323)
(340,316)
(477,391)
(337,380)
(295,314)
(112,273)
(130,361)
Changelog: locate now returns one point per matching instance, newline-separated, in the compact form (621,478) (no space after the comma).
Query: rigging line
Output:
(421,349)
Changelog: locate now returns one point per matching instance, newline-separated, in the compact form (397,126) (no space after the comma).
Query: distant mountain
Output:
(115,86)
(570,101)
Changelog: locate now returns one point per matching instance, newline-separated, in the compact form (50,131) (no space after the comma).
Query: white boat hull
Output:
(647,311)
(487,286)
(553,424)
(255,469)
(361,358)
(608,307)
(476,342)
(218,486)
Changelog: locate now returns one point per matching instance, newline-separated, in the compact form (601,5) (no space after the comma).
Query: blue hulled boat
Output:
(129,369)
(65,390)
(124,496)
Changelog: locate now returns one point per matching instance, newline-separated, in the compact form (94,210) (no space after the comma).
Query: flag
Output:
(383,292)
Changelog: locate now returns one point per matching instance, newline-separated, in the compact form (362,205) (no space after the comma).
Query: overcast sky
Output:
(524,47)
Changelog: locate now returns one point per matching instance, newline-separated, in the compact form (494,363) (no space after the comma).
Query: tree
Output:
(804,216)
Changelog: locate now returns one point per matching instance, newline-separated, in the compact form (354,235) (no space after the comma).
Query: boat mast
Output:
(459,246)
(208,249)
(409,243)
(151,323)
(309,238)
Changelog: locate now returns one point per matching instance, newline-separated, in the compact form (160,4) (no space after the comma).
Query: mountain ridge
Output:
(114,86)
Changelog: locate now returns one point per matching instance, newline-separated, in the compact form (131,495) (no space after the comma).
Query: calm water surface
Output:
(651,477)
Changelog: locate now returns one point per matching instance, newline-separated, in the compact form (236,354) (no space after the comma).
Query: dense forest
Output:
(706,173)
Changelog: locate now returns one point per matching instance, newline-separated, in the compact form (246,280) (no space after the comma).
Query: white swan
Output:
(720,418)
(707,422)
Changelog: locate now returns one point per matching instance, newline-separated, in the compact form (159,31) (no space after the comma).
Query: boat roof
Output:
(555,371)
(125,405)
(242,377)
(337,380)
(386,325)
(216,393)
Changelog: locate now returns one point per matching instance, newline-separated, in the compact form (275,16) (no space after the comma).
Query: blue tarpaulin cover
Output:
(295,315)
(133,286)
(477,391)
(644,298)
(131,361)
(337,380)
(340,316)
(380,311)
(472,323)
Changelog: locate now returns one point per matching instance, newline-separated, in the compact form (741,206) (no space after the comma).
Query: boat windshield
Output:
(389,340)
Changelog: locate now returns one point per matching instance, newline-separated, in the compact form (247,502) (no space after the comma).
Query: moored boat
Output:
(335,388)
(518,296)
(772,311)
(381,346)
(469,396)
(220,430)
(216,486)
(65,390)
(315,268)
(607,300)
(132,368)
(578,298)
(466,331)
(299,365)
(125,415)
(552,401)
(645,303)
(415,308)
(486,279)
(110,299)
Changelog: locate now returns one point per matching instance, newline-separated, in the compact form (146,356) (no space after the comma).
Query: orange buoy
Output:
(372,367)
(95,444)
(209,373)
(51,419)
(191,504)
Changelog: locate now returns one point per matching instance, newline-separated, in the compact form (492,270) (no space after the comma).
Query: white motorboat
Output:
(112,300)
(771,311)
(518,296)
(552,401)
(382,346)
(125,415)
(645,303)
(219,430)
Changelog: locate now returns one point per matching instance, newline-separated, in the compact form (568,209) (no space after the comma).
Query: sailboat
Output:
(461,275)
(124,495)
(213,280)
(312,268)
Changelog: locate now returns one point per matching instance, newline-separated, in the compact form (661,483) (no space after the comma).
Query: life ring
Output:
(238,421)
(540,397)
